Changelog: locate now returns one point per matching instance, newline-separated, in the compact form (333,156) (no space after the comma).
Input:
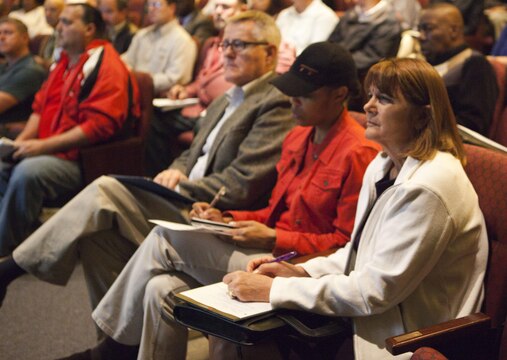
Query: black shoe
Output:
(3,291)
(85,355)
(9,271)
(108,349)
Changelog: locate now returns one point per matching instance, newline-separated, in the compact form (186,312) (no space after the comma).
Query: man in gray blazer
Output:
(237,147)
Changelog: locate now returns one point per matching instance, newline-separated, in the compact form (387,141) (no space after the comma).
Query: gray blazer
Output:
(245,152)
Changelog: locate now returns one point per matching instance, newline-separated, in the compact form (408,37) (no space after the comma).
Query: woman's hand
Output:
(265,266)
(253,234)
(248,286)
(169,178)
(202,210)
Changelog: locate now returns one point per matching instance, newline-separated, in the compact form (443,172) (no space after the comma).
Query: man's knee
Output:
(102,186)
(156,291)
(25,172)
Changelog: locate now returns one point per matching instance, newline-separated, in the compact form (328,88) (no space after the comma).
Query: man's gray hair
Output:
(265,30)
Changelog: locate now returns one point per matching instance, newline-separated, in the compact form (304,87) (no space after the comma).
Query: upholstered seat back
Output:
(487,171)
(498,128)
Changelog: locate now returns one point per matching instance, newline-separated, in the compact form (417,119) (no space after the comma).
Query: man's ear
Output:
(272,52)
(25,38)
(91,30)
(172,7)
(341,94)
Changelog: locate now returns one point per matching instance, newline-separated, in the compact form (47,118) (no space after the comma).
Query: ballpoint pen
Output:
(217,197)
(284,257)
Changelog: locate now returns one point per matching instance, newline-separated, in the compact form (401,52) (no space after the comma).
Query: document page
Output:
(197,228)
(165,104)
(216,299)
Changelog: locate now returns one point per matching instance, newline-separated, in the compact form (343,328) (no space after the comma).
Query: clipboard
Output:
(148,184)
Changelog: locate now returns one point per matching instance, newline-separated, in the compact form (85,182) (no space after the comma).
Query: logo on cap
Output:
(307,70)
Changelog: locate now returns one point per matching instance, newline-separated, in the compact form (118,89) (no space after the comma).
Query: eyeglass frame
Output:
(154,4)
(239,45)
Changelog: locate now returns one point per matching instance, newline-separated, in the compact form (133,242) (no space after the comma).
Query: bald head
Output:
(441,27)
(52,11)
(447,13)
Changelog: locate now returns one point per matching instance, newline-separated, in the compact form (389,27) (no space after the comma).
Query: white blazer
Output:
(421,258)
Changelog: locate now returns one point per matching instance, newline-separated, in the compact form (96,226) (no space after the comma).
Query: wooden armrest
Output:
(305,258)
(445,332)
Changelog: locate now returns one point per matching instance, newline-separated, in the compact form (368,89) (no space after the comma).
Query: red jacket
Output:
(322,212)
(101,113)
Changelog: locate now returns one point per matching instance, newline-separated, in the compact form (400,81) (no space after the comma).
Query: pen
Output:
(284,257)
(217,197)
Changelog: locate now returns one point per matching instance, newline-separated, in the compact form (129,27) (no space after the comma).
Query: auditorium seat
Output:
(498,128)
(126,156)
(479,336)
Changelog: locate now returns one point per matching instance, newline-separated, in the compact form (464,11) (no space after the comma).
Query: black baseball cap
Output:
(320,64)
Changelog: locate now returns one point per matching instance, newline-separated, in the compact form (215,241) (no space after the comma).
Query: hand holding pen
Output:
(253,265)
(208,211)
(221,192)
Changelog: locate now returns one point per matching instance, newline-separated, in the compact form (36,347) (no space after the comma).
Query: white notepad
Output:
(165,104)
(215,298)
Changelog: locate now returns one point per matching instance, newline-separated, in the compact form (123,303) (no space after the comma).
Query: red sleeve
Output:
(105,110)
(307,243)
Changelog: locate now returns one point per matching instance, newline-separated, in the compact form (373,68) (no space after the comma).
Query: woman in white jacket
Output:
(419,248)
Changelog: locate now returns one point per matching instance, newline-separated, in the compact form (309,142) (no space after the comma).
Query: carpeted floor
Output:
(41,321)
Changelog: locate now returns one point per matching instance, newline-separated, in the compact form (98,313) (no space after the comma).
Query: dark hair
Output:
(122,4)
(20,26)
(92,15)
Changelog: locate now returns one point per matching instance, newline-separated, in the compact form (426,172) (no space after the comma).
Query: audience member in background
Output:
(407,12)
(119,29)
(164,50)
(270,7)
(370,31)
(419,249)
(302,24)
(84,100)
(162,145)
(20,76)
(312,208)
(496,10)
(3,8)
(468,76)
(471,11)
(32,15)
(197,24)
(49,49)
(237,147)
(500,46)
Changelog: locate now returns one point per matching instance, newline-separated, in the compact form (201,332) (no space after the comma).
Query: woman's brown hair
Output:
(418,82)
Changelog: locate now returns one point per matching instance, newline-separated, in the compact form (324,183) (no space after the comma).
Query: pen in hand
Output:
(284,257)
(217,197)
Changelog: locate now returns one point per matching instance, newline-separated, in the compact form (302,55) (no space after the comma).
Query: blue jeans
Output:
(23,190)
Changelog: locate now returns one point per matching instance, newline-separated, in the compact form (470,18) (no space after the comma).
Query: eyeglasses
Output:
(238,45)
(154,4)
